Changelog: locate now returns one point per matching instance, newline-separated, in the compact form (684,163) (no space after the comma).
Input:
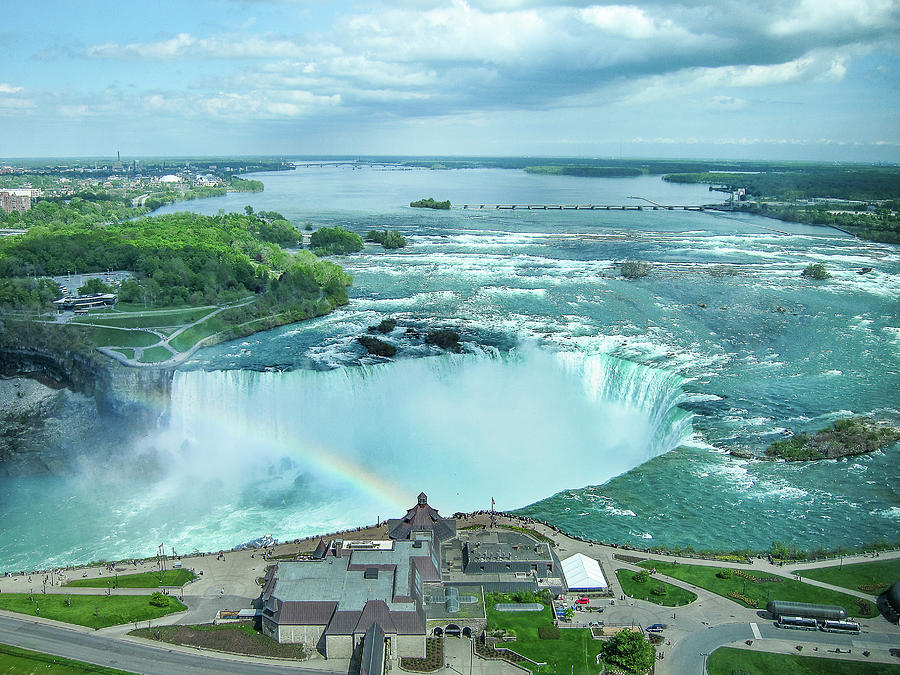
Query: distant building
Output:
(15,200)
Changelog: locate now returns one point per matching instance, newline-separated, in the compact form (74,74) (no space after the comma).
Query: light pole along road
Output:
(126,655)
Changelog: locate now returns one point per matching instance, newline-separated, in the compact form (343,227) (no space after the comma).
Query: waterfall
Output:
(517,428)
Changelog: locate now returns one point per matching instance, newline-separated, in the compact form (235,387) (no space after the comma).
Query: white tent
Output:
(583,573)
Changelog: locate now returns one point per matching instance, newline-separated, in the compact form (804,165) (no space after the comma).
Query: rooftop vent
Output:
(371,573)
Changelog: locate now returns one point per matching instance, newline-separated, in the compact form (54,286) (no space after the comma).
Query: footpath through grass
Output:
(574,652)
(869,577)
(93,611)
(18,661)
(754,589)
(728,660)
(654,590)
(141,580)
(237,638)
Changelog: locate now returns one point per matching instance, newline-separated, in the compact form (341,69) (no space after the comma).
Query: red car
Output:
(582,601)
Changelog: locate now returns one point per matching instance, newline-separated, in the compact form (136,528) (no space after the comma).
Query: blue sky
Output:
(779,79)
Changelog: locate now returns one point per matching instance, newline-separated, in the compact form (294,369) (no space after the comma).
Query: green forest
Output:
(178,259)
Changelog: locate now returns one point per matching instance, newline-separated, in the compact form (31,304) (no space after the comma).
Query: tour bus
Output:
(850,627)
(797,623)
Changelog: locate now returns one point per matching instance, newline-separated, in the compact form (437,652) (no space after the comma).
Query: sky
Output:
(757,79)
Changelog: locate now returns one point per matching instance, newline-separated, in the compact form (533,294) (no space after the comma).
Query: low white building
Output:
(583,574)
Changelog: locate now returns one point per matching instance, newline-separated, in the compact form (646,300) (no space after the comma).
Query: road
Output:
(131,656)
(693,649)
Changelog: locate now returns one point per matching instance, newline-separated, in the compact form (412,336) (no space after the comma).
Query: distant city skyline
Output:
(774,79)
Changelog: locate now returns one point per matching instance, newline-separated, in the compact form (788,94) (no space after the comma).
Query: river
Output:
(602,405)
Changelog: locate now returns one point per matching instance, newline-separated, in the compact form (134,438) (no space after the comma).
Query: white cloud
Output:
(9,89)
(835,17)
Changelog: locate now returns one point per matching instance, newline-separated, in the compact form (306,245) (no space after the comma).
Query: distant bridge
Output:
(344,163)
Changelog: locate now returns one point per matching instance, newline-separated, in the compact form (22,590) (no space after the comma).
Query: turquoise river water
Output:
(602,405)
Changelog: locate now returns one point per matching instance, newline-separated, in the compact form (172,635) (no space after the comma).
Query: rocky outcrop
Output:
(376,347)
(57,406)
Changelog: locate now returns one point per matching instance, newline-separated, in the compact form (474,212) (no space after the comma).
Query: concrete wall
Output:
(308,636)
(338,646)
(412,646)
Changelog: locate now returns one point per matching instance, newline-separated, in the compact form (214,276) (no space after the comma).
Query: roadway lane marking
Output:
(756,633)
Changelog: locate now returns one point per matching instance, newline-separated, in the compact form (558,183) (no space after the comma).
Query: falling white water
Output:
(462,428)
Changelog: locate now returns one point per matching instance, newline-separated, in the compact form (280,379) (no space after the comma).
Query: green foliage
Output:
(95,285)
(845,438)
(28,293)
(811,181)
(388,238)
(635,269)
(725,573)
(629,650)
(335,241)
(549,632)
(660,590)
(158,599)
(641,577)
(430,203)
(869,577)
(816,271)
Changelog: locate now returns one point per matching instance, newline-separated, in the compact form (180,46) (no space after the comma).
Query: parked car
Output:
(582,601)
(656,628)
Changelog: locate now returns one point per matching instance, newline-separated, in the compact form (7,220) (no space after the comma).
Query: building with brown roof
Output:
(422,518)
(331,603)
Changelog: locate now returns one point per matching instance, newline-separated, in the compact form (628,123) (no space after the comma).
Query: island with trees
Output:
(389,239)
(430,203)
(845,438)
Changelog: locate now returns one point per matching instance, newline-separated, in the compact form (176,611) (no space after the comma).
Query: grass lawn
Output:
(869,577)
(575,647)
(238,638)
(785,589)
(728,660)
(674,596)
(156,354)
(142,580)
(127,353)
(149,319)
(112,337)
(194,334)
(17,661)
(93,611)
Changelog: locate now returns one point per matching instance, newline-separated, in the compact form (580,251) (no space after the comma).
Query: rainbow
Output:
(327,461)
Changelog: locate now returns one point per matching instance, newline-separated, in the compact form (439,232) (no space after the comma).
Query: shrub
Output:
(641,577)
(387,238)
(724,574)
(158,599)
(549,632)
(815,271)
(659,590)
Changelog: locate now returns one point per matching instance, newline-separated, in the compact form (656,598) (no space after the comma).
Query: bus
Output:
(797,623)
(850,627)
